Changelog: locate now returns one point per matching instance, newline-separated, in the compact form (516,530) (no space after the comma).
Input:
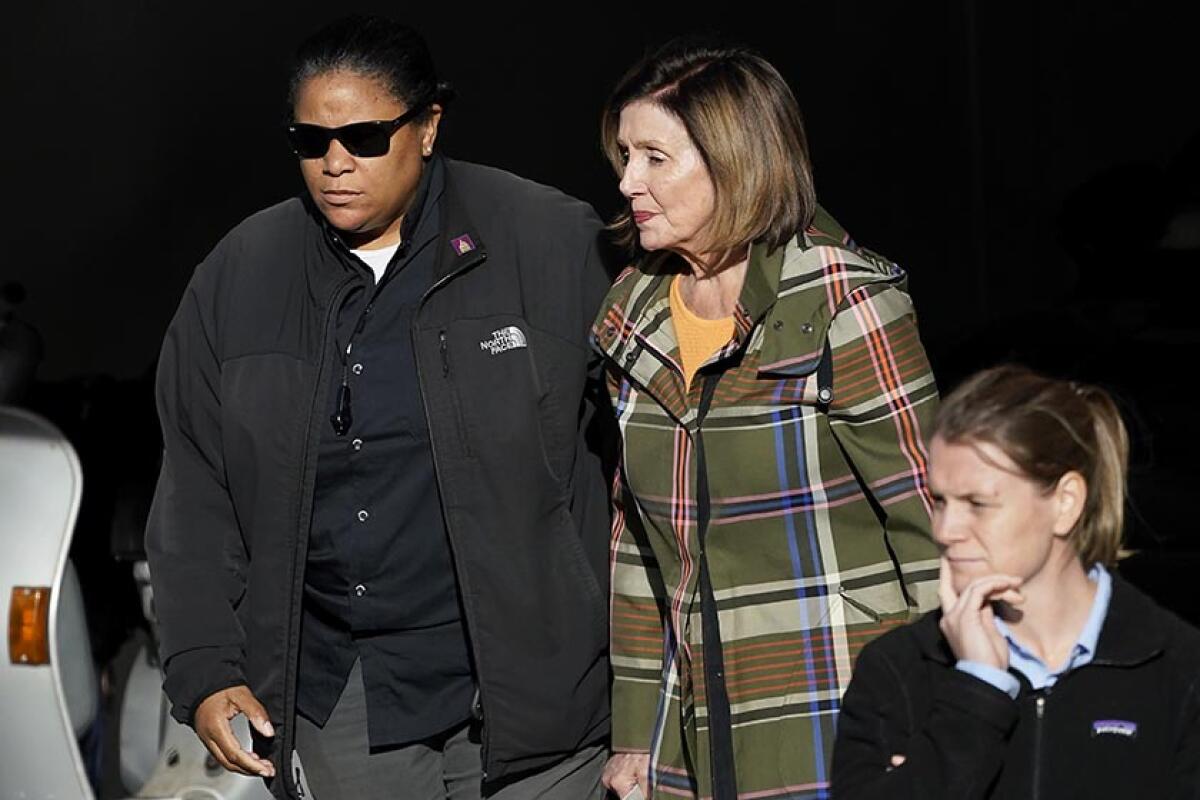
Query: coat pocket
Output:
(519,391)
(873,603)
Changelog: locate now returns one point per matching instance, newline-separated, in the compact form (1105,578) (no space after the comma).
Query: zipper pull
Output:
(445,355)
(342,418)
(1041,706)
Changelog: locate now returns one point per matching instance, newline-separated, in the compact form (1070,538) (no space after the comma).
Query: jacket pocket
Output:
(518,390)
(872,604)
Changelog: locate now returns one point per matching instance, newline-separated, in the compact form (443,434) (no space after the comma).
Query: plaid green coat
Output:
(811,508)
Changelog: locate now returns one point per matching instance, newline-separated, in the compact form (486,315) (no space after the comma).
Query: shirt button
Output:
(356,444)
(363,515)
(357,369)
(360,590)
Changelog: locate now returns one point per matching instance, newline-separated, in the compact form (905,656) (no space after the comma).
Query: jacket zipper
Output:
(459,572)
(1040,705)
(310,438)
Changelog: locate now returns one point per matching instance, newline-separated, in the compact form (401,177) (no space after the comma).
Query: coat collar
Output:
(636,331)
(429,190)
(460,245)
(1133,631)
(781,319)
(816,276)
(930,641)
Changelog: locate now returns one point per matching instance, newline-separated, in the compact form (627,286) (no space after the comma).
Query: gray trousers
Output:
(336,763)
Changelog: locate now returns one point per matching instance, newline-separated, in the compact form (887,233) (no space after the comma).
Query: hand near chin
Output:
(968,621)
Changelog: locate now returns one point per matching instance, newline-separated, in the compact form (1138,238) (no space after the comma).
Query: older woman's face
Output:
(989,518)
(670,191)
(363,197)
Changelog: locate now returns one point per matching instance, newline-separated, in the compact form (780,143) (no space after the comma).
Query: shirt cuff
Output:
(998,678)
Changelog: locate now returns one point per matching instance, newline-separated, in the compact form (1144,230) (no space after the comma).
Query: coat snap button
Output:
(806,328)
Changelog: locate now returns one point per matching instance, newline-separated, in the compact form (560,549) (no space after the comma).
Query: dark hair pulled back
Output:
(374,47)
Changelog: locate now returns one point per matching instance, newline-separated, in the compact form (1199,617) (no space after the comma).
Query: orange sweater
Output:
(698,338)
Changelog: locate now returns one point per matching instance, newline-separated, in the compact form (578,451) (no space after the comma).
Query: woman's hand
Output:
(624,771)
(968,620)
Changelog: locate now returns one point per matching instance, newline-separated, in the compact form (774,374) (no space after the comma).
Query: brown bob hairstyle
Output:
(1050,427)
(743,119)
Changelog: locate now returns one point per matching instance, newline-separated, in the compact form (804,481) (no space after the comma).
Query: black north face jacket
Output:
(518,427)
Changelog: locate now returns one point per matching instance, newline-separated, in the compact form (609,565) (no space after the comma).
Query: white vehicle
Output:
(49,689)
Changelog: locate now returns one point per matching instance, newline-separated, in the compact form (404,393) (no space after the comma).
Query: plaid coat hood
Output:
(817,537)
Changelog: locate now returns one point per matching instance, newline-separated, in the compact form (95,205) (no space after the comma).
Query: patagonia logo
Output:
(1115,727)
(462,244)
(509,338)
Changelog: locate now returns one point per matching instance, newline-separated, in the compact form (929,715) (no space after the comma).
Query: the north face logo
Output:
(509,338)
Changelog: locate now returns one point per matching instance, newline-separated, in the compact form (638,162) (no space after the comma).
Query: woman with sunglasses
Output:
(381,525)
(1045,674)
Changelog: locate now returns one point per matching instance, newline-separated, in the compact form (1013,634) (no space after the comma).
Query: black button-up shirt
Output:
(379,583)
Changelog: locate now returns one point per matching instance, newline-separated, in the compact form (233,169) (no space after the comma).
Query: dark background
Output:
(1034,165)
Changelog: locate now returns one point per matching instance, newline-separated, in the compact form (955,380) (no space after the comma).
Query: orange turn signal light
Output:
(29,625)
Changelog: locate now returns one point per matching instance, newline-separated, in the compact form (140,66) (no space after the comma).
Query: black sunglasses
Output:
(362,139)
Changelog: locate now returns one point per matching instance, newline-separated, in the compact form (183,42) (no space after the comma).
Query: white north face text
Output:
(508,338)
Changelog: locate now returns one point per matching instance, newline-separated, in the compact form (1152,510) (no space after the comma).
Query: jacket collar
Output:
(796,289)
(429,189)
(760,289)
(816,275)
(637,332)
(930,641)
(460,245)
(1132,633)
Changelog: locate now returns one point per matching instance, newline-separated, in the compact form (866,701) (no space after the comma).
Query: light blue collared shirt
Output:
(1035,671)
